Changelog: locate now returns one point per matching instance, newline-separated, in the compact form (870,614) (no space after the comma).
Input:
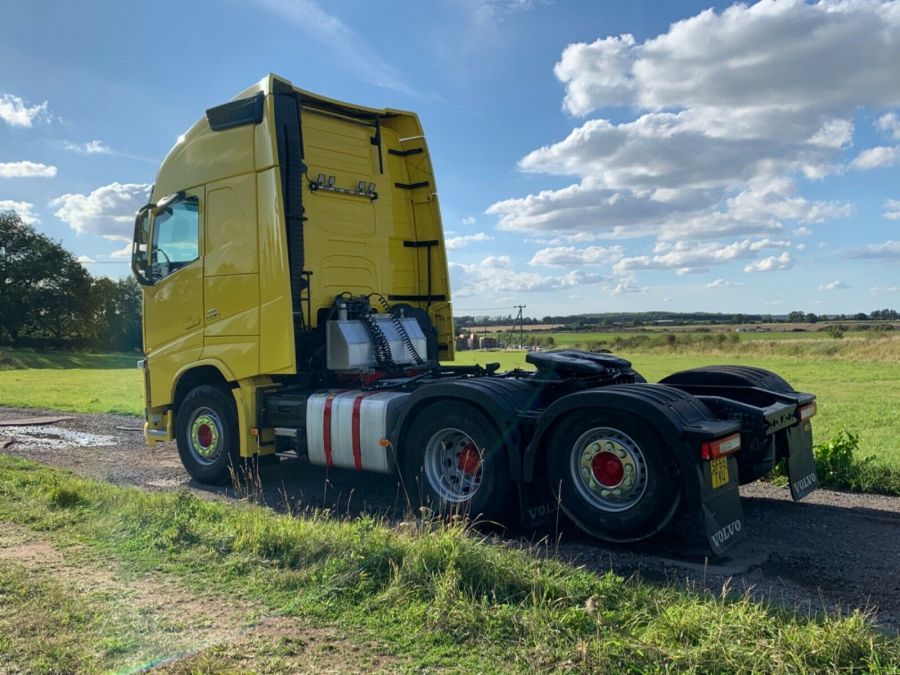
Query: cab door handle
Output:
(191,321)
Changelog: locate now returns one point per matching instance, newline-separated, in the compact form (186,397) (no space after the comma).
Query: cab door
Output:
(173,303)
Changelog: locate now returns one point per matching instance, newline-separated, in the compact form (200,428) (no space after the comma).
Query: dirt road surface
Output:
(834,551)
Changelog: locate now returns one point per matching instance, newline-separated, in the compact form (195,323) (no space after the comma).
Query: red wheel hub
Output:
(608,469)
(469,459)
(205,435)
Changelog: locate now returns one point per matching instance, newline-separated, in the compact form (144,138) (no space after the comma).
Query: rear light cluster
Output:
(721,447)
(807,411)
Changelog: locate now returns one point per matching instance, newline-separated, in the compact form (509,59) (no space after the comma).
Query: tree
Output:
(117,313)
(44,290)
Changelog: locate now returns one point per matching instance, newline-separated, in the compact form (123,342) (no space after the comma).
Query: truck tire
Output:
(613,475)
(206,432)
(453,459)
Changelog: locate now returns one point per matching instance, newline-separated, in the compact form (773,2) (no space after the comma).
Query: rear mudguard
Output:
(503,400)
(682,420)
(768,407)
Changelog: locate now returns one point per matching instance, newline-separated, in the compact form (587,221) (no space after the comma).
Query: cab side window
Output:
(176,236)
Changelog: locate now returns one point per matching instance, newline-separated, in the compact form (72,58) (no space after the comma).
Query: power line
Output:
(521,324)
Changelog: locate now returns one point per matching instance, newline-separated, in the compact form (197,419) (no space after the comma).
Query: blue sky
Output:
(590,156)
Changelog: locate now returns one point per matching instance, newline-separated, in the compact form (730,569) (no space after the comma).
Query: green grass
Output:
(862,397)
(433,596)
(71,381)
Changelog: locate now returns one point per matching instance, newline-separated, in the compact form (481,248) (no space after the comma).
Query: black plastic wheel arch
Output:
(734,376)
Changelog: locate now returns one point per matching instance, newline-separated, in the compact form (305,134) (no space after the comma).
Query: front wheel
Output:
(613,475)
(453,459)
(206,431)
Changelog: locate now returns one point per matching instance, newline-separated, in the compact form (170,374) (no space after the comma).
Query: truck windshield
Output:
(175,236)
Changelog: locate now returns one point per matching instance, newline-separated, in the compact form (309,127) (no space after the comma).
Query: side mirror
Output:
(140,259)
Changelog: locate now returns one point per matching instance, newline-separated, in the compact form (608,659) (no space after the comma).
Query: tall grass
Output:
(877,347)
(438,594)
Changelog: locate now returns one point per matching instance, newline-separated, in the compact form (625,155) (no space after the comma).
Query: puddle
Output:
(55,438)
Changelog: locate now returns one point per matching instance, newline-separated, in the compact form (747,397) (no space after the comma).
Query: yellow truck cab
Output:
(296,298)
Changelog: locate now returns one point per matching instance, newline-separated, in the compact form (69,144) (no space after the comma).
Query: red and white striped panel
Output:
(347,429)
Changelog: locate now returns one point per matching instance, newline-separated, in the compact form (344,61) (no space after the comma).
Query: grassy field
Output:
(71,381)
(420,597)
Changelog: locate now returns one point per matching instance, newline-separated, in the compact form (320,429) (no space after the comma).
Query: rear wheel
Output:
(206,431)
(454,460)
(613,475)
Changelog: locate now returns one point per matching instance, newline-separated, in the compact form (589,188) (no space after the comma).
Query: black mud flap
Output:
(723,515)
(800,460)
(538,507)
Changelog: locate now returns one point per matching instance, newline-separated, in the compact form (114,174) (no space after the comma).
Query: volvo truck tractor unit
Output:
(296,298)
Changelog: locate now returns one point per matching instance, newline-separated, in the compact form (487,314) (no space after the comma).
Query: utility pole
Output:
(520,322)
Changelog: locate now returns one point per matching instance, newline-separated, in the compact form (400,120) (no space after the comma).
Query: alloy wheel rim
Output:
(454,465)
(205,431)
(608,469)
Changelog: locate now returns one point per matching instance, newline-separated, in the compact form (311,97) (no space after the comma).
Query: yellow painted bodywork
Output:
(232,308)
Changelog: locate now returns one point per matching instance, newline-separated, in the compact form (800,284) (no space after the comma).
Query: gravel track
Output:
(834,551)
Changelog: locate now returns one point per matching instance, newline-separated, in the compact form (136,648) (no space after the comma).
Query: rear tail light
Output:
(807,411)
(721,447)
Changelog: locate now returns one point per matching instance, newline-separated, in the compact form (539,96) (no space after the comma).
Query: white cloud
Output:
(833,286)
(877,157)
(772,263)
(627,286)
(884,289)
(892,209)
(802,232)
(124,252)
(890,124)
(108,211)
(468,220)
(766,56)
(722,283)
(26,169)
(569,256)
(455,243)
(495,274)
(717,118)
(687,258)
(485,11)
(24,209)
(15,112)
(763,244)
(90,148)
(348,49)
(587,207)
(85,259)
(888,250)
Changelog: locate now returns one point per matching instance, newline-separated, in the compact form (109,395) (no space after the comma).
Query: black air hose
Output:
(401,330)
